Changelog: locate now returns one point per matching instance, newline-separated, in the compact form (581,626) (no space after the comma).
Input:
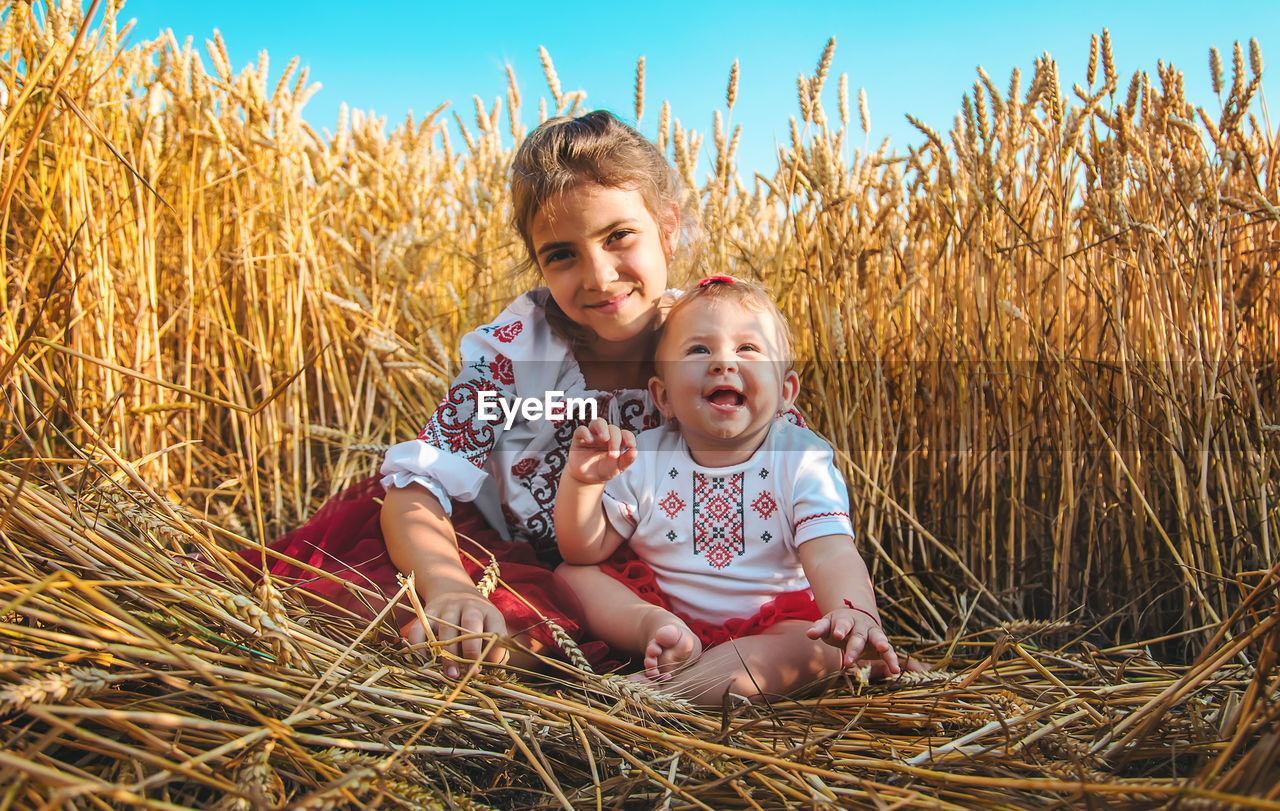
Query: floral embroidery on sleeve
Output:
(502,370)
(508,332)
(455,428)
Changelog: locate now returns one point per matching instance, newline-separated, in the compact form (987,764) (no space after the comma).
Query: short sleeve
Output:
(621,503)
(820,500)
(448,454)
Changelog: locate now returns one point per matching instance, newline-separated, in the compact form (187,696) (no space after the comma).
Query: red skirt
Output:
(344,539)
(636,575)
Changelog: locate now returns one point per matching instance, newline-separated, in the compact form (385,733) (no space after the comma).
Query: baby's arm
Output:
(842,588)
(598,453)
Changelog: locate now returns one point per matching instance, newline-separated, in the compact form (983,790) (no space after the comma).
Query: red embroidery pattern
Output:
(717,518)
(817,516)
(539,527)
(456,429)
(796,418)
(501,369)
(524,468)
(634,414)
(508,332)
(764,505)
(453,429)
(671,504)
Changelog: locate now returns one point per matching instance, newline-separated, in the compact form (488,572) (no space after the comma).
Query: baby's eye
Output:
(748,348)
(697,349)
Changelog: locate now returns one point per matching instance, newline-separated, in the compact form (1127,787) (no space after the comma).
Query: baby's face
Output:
(722,376)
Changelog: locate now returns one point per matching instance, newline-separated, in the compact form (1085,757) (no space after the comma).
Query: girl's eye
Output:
(621,233)
(556,256)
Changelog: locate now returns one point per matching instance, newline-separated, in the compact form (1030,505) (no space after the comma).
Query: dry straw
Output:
(1045,351)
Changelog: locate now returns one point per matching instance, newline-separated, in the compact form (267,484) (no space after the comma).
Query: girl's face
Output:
(723,377)
(604,258)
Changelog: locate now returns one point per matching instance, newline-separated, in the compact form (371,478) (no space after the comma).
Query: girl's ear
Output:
(790,389)
(658,391)
(671,230)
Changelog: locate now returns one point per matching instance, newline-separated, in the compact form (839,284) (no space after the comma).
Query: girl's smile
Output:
(612,305)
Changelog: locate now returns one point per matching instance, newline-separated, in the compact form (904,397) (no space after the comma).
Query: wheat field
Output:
(1043,342)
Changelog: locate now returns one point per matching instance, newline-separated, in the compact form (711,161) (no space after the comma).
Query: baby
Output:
(739,564)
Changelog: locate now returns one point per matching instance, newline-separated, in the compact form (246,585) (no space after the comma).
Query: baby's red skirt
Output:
(634,573)
(344,539)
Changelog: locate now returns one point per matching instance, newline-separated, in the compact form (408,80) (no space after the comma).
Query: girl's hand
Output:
(461,619)
(599,451)
(854,632)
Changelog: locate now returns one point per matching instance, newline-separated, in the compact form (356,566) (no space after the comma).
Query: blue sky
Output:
(396,56)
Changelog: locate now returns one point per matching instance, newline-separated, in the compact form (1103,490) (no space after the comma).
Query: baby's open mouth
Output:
(726,397)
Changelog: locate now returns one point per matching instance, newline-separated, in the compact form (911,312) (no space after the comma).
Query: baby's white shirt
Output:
(722,542)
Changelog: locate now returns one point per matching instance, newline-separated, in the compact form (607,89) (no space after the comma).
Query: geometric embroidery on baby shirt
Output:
(764,505)
(717,518)
(671,504)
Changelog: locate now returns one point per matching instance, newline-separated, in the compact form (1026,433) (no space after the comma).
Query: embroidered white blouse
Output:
(510,463)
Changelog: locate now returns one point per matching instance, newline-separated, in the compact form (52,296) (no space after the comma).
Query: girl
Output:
(598,209)
(737,512)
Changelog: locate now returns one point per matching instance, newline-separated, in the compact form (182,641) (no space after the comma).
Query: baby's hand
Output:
(855,631)
(599,451)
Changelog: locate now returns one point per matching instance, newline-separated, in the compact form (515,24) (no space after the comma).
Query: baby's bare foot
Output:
(671,644)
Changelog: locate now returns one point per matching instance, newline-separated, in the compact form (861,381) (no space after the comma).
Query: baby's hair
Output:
(746,294)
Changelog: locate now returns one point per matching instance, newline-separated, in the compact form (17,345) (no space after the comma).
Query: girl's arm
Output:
(446,462)
(598,452)
(842,589)
(420,539)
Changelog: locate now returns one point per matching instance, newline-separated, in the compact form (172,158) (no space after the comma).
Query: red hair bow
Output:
(716,280)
